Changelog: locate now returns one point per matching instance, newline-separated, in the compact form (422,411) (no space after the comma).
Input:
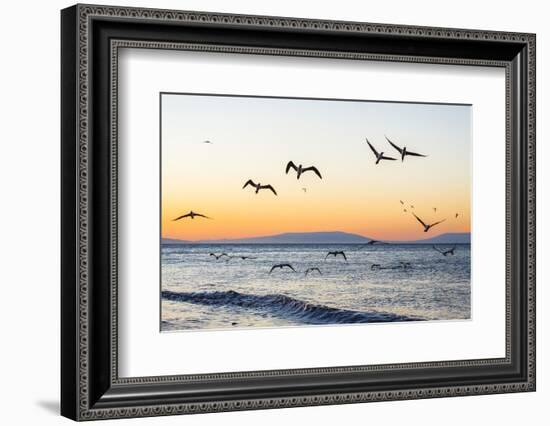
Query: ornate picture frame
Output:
(91,37)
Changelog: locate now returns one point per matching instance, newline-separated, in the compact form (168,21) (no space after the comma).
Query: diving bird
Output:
(281,266)
(403,151)
(447,252)
(308,270)
(258,186)
(300,170)
(217,256)
(427,226)
(336,253)
(379,155)
(192,215)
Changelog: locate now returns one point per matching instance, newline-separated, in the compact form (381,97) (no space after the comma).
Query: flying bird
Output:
(447,252)
(403,151)
(405,210)
(412,207)
(435,209)
(308,270)
(427,226)
(192,215)
(281,266)
(259,186)
(240,257)
(304,189)
(217,256)
(337,253)
(456,215)
(379,155)
(402,203)
(207,141)
(300,170)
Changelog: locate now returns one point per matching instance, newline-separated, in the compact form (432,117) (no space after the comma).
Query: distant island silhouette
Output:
(333,237)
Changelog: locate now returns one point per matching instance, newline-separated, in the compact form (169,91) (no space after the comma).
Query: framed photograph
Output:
(263,212)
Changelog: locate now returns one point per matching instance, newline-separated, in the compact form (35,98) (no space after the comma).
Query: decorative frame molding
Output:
(91,388)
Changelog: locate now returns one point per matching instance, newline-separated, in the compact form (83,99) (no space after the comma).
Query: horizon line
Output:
(309,232)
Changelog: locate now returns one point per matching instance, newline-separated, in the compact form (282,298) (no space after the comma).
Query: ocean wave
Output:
(284,306)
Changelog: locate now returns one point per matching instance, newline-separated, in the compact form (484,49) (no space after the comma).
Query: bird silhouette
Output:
(403,151)
(427,227)
(456,215)
(447,252)
(259,186)
(379,155)
(336,253)
(281,266)
(300,170)
(240,257)
(402,203)
(308,270)
(207,141)
(192,215)
(435,209)
(217,256)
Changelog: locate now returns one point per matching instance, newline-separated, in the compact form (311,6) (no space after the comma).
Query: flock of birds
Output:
(300,170)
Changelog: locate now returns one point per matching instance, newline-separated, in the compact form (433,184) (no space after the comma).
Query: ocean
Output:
(200,292)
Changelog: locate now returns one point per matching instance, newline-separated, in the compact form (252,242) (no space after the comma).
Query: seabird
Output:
(258,186)
(300,170)
(241,257)
(217,256)
(402,203)
(192,215)
(456,215)
(447,252)
(403,151)
(427,226)
(308,270)
(281,266)
(337,253)
(379,156)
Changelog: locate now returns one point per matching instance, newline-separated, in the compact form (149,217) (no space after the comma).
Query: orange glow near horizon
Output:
(255,138)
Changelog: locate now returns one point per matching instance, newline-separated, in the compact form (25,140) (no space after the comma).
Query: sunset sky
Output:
(254,138)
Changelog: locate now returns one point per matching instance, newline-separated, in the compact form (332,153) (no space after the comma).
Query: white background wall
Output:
(29,211)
